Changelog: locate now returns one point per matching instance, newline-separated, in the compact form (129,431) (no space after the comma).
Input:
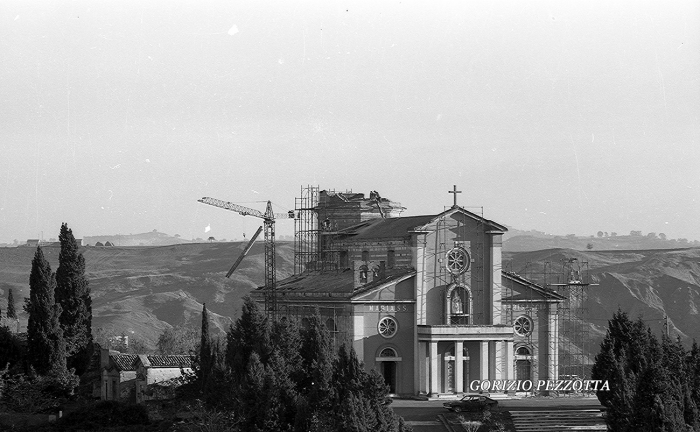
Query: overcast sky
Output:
(565,117)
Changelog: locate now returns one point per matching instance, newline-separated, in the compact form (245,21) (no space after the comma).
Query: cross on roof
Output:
(454,191)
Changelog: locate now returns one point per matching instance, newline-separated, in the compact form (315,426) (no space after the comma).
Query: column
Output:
(359,334)
(434,364)
(509,360)
(459,367)
(483,360)
(499,360)
(553,361)
(496,265)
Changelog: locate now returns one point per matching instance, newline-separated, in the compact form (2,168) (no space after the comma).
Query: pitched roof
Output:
(335,284)
(539,291)
(169,361)
(386,228)
(403,226)
(124,362)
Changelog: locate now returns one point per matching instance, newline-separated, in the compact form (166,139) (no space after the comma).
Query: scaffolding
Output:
(306,230)
(570,279)
(574,340)
(334,318)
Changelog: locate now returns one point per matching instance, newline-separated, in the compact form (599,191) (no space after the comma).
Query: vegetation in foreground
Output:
(654,386)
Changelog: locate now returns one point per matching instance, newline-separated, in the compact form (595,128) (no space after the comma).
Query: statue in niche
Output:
(457,305)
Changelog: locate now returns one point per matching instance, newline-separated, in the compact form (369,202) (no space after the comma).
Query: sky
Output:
(562,116)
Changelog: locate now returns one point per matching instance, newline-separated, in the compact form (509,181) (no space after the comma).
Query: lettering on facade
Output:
(391,308)
(525,307)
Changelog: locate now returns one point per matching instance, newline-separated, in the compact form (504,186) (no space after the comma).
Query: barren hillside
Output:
(143,290)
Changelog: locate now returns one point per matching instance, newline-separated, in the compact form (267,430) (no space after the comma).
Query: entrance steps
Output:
(558,421)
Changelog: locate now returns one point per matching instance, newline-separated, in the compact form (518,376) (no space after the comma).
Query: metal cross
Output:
(454,191)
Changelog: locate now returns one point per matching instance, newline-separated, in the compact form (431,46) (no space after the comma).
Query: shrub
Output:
(104,414)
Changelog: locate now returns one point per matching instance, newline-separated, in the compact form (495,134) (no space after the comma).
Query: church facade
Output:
(423,299)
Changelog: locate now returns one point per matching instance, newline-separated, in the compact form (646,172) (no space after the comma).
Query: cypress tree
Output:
(205,349)
(11,306)
(46,347)
(251,333)
(73,294)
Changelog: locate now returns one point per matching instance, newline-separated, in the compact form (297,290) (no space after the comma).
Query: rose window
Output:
(387,327)
(458,260)
(523,326)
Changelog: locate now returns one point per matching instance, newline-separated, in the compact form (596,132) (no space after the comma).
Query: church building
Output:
(423,299)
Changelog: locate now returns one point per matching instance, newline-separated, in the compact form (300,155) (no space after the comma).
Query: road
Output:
(423,415)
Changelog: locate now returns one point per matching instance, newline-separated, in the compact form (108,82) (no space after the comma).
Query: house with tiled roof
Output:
(422,299)
(128,376)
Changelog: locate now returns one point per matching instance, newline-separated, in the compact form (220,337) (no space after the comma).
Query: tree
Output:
(600,234)
(11,306)
(73,294)
(12,350)
(177,340)
(46,347)
(205,348)
(589,246)
(662,236)
(211,239)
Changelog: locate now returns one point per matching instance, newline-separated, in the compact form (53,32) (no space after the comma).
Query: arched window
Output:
(523,350)
(365,256)
(388,352)
(363,274)
(458,305)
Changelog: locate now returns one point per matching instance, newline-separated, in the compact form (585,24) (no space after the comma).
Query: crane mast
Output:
(269,235)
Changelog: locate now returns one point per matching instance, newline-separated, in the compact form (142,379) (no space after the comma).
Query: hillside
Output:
(146,289)
(516,240)
(646,283)
(141,291)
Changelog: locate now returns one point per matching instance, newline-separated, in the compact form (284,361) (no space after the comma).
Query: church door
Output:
(389,374)
(523,370)
(449,376)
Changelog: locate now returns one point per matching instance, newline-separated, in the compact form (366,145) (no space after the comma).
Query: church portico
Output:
(454,356)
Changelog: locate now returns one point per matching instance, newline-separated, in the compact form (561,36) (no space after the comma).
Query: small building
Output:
(118,375)
(128,376)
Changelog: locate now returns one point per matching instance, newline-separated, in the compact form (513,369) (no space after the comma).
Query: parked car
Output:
(472,402)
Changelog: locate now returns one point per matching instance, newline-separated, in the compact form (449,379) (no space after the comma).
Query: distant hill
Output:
(516,240)
(141,291)
(153,238)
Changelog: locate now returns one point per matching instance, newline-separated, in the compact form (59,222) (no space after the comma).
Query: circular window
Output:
(523,326)
(387,327)
(458,260)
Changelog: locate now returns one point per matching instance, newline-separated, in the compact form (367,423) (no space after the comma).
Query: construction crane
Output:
(269,223)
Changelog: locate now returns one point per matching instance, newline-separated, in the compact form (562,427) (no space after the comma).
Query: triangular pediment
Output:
(516,288)
(463,216)
(398,288)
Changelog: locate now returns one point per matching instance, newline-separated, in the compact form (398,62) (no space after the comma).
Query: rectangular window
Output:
(343,259)
(365,256)
(390,258)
